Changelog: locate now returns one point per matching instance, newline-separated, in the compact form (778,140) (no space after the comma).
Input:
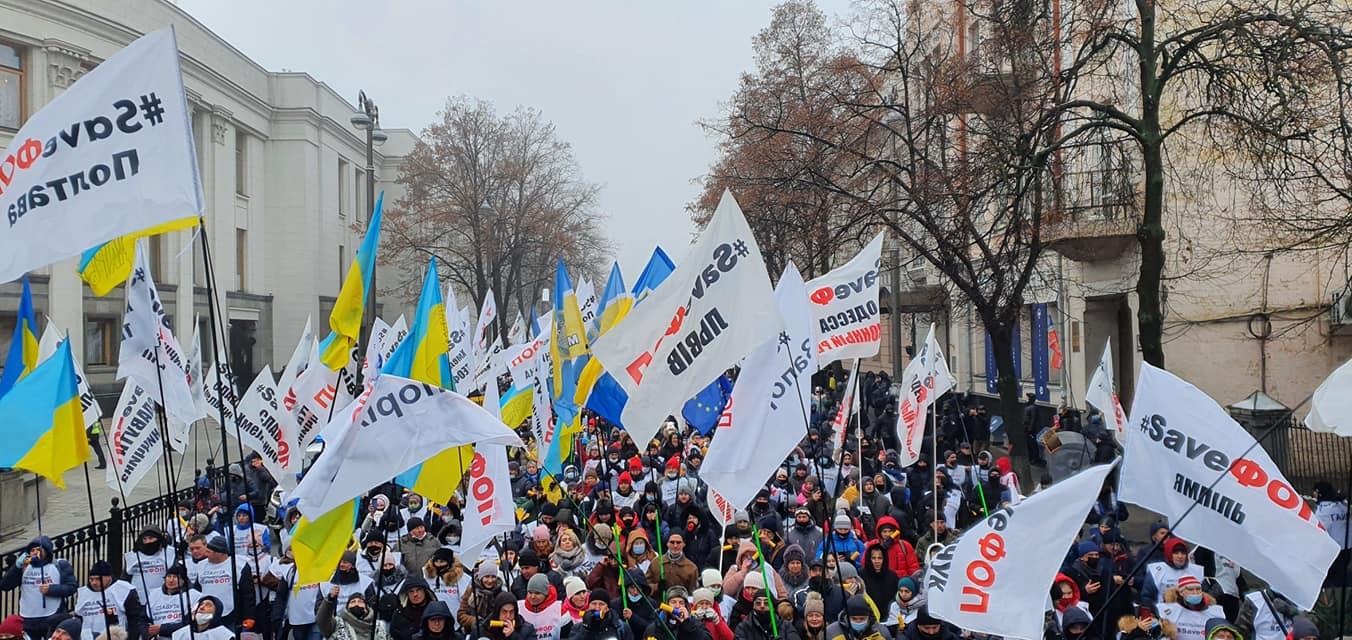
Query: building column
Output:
(63,64)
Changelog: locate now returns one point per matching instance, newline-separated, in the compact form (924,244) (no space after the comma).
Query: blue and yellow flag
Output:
(516,405)
(568,348)
(23,349)
(108,265)
(423,356)
(616,301)
(43,430)
(345,319)
(658,268)
(319,544)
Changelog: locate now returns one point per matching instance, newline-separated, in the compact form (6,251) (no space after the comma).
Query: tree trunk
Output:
(1150,232)
(1011,408)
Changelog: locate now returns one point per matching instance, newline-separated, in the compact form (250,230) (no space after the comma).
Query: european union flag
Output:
(702,411)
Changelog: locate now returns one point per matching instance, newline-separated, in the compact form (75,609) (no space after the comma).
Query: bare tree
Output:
(497,199)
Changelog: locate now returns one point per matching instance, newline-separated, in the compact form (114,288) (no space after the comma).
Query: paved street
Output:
(66,510)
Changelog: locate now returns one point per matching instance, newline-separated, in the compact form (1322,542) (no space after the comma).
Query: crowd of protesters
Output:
(833,547)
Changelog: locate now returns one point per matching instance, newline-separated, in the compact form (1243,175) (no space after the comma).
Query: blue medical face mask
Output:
(1193,599)
(859,626)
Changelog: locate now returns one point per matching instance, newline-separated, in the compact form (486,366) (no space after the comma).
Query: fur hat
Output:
(813,603)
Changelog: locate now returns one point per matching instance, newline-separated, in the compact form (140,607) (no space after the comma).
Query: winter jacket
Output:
(753,629)
(665,572)
(405,617)
(841,630)
(59,574)
(609,626)
(901,557)
(732,583)
(342,625)
(848,546)
(809,538)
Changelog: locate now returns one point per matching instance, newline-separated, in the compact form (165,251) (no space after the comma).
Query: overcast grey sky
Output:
(623,81)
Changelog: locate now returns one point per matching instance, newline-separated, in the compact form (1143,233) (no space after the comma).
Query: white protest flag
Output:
(490,367)
(723,511)
(849,405)
(845,307)
(311,401)
(766,417)
(370,361)
(394,425)
(149,354)
(47,345)
(196,376)
(995,578)
(220,388)
(586,302)
(925,379)
(1184,443)
(488,315)
(134,440)
(1331,405)
(1103,396)
(517,334)
(491,510)
(111,155)
(521,360)
(460,353)
(709,313)
(260,424)
(299,362)
(542,411)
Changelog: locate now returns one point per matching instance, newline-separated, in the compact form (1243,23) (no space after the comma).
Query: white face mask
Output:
(202,618)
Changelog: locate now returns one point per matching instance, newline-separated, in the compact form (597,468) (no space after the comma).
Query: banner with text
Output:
(845,307)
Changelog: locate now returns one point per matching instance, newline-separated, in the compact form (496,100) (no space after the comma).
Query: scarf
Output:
(569,560)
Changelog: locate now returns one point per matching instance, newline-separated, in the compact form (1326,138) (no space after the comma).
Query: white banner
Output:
(260,424)
(220,388)
(517,334)
(542,412)
(521,360)
(488,314)
(1103,396)
(134,440)
(724,512)
(311,401)
(586,301)
(766,416)
(845,307)
(1184,442)
(395,424)
(298,363)
(1331,406)
(491,509)
(490,367)
(460,355)
(149,354)
(849,405)
(995,578)
(925,379)
(47,345)
(111,155)
(709,313)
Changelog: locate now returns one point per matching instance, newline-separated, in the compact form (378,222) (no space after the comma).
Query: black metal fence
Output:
(1307,457)
(106,539)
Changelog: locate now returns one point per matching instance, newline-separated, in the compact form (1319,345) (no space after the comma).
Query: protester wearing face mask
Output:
(104,602)
(44,583)
(346,581)
(445,577)
(416,547)
(803,532)
(207,622)
(170,607)
(600,622)
(672,568)
(1164,575)
(639,552)
(146,564)
(675,621)
(824,586)
(704,603)
(842,542)
(759,626)
(1189,607)
(928,627)
(353,622)
(859,622)
(1075,625)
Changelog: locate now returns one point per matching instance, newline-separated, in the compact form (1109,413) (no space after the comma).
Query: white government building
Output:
(282,167)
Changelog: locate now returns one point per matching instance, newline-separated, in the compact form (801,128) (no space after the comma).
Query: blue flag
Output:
(702,411)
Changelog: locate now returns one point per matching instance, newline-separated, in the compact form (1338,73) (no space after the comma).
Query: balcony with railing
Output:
(1099,206)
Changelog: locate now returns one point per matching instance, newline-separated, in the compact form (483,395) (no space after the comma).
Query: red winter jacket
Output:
(901,558)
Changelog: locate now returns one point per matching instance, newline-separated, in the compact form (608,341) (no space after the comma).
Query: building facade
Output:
(283,170)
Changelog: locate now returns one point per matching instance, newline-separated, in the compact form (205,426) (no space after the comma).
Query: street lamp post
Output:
(367,118)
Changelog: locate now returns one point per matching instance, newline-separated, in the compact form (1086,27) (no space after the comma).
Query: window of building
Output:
(100,341)
(359,179)
(155,249)
(241,163)
(11,87)
(241,258)
(343,205)
(342,264)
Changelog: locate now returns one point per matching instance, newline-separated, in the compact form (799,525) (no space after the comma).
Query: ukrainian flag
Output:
(422,356)
(345,319)
(570,354)
(318,544)
(43,428)
(23,349)
(108,265)
(616,301)
(658,268)
(516,405)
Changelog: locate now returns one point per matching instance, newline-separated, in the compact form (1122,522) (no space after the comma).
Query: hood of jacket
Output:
(47,547)
(216,617)
(245,508)
(1057,601)
(885,521)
